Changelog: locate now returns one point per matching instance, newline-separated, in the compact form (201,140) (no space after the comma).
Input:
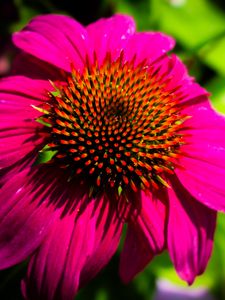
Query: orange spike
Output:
(125,179)
(98,180)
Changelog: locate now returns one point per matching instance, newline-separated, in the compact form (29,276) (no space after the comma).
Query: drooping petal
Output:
(56,39)
(145,236)
(77,247)
(148,46)
(191,228)
(110,36)
(25,216)
(107,237)
(19,129)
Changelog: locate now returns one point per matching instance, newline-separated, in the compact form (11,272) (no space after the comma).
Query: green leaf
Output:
(120,190)
(193,23)
(45,155)
(140,10)
(101,294)
(213,55)
(217,89)
(25,12)
(41,121)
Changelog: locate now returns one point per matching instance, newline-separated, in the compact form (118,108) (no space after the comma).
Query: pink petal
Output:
(203,116)
(21,90)
(191,228)
(171,73)
(56,39)
(35,68)
(19,130)
(202,164)
(177,79)
(145,236)
(110,36)
(107,237)
(77,247)
(24,218)
(204,181)
(17,148)
(206,146)
(148,45)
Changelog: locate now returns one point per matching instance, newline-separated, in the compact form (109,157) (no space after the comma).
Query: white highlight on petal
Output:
(19,190)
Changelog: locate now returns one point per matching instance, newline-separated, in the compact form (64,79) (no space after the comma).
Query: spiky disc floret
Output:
(115,125)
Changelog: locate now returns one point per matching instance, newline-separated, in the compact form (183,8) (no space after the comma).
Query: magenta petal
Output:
(24,90)
(35,68)
(107,237)
(56,39)
(110,35)
(177,76)
(17,95)
(148,45)
(204,181)
(203,116)
(77,247)
(24,219)
(18,147)
(145,237)
(46,268)
(204,139)
(191,228)
(202,165)
(171,71)
(206,148)
(19,129)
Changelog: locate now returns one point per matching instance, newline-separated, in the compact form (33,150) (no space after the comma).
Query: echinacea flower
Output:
(101,127)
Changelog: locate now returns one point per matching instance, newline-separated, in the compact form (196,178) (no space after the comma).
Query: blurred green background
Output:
(199,29)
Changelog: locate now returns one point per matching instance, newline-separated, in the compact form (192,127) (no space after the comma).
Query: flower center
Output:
(116,126)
